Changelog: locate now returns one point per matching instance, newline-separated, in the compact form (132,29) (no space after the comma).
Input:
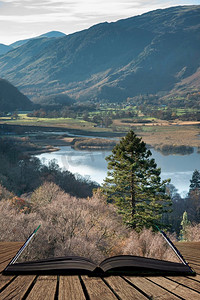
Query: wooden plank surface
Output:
(97,289)
(94,288)
(70,288)
(18,288)
(4,280)
(124,290)
(7,252)
(188,282)
(151,289)
(176,288)
(44,288)
(195,268)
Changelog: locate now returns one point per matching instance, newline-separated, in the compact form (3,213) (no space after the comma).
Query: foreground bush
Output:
(149,244)
(72,226)
(192,233)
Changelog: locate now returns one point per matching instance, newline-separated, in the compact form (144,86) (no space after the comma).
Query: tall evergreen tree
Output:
(195,181)
(193,198)
(134,183)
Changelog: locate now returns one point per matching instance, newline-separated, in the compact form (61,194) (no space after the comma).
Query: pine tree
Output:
(195,181)
(134,183)
(193,198)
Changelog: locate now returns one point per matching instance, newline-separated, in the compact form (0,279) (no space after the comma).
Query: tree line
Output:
(22,174)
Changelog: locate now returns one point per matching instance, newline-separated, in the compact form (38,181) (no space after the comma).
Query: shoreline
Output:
(49,139)
(55,144)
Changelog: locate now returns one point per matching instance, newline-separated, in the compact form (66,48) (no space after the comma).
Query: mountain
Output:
(4,49)
(51,34)
(11,99)
(156,52)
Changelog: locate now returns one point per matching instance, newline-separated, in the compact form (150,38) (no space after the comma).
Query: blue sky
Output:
(20,19)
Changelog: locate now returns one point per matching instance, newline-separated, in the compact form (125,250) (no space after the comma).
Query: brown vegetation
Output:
(93,143)
(149,244)
(161,132)
(4,193)
(171,135)
(192,233)
(72,226)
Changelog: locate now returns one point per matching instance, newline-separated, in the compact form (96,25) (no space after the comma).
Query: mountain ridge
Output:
(4,49)
(152,53)
(50,34)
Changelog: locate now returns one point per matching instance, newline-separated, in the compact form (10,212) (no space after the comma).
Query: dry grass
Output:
(177,136)
(162,132)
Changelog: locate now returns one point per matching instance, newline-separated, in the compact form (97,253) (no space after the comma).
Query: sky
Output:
(21,19)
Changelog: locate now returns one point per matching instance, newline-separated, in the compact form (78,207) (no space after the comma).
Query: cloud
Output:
(114,8)
(68,15)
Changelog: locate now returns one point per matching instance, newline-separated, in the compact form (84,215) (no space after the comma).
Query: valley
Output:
(51,132)
(87,89)
(100,135)
(153,53)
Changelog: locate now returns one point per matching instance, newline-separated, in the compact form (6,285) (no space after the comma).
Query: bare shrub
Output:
(149,244)
(72,226)
(4,193)
(192,233)
(15,225)
(46,193)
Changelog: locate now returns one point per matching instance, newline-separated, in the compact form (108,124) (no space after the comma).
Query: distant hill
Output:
(157,52)
(55,100)
(11,99)
(4,49)
(51,34)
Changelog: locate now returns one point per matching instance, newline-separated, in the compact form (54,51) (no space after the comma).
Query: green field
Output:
(23,119)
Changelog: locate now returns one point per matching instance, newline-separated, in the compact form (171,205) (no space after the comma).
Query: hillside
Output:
(51,34)
(4,49)
(151,53)
(11,99)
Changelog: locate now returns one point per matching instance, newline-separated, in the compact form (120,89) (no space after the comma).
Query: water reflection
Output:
(93,164)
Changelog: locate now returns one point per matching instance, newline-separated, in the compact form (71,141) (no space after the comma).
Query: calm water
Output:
(93,164)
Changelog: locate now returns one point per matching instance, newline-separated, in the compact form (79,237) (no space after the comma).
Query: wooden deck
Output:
(109,288)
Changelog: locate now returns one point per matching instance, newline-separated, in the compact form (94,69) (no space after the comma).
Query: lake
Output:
(93,164)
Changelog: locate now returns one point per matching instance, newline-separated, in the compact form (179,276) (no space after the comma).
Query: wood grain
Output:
(44,288)
(97,289)
(151,289)
(17,289)
(5,280)
(176,288)
(124,290)
(188,282)
(70,288)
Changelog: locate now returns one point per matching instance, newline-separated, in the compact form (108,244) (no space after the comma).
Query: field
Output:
(162,132)
(60,122)
(154,132)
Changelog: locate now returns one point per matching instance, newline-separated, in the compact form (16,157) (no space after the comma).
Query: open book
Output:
(116,265)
